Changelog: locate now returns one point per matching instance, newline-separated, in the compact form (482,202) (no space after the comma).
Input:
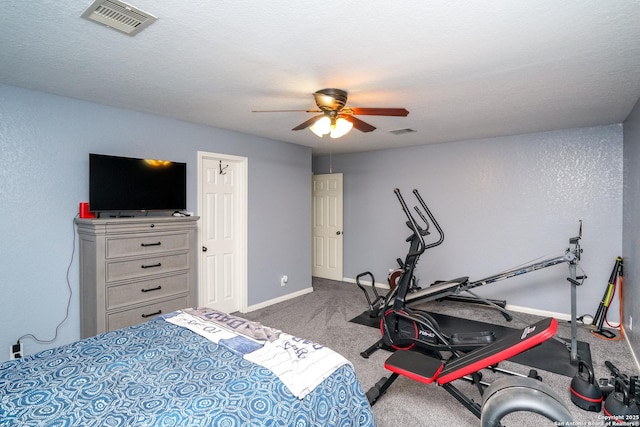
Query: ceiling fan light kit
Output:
(335,128)
(337,120)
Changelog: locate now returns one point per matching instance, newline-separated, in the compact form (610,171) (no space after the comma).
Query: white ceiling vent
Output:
(119,16)
(402,131)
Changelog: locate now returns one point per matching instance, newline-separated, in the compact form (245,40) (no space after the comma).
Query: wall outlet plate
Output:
(16,351)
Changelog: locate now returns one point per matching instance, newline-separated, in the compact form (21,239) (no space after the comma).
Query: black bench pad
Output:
(417,366)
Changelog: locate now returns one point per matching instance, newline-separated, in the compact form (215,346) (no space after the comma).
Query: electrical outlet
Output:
(630,323)
(283,280)
(16,351)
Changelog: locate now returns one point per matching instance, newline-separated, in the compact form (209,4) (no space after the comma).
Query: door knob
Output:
(338,233)
(204,249)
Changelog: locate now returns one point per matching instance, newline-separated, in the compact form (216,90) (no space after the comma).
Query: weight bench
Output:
(427,369)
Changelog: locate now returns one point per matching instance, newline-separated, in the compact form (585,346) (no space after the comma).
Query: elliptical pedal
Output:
(472,339)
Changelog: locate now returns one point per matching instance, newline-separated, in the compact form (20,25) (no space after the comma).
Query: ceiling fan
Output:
(337,120)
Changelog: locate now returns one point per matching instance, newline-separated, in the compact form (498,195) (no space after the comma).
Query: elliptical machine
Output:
(419,343)
(404,328)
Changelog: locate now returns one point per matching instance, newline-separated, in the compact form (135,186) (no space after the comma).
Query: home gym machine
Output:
(394,308)
(419,345)
(502,397)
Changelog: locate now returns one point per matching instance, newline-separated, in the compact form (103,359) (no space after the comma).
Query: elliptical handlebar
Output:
(431,217)
(419,232)
(413,225)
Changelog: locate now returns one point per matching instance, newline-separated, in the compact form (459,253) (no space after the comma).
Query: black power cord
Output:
(66,316)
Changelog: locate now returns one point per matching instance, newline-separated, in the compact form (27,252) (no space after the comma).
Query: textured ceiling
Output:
(464,70)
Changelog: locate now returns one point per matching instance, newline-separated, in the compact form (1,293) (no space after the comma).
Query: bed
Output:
(195,367)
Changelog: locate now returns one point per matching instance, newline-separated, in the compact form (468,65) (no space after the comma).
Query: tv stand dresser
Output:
(132,269)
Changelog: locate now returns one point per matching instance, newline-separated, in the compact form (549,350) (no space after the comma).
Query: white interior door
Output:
(327,226)
(223,230)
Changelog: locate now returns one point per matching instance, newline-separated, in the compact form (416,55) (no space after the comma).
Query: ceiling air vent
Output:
(402,131)
(119,16)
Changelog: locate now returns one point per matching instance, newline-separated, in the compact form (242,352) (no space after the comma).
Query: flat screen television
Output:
(129,184)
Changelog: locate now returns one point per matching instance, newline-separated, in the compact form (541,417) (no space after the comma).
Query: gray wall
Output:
(501,202)
(44,146)
(631,235)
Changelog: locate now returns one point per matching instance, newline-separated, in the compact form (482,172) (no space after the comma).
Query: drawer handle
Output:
(152,314)
(152,265)
(144,245)
(151,289)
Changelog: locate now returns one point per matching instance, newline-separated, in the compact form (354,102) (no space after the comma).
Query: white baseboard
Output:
(633,355)
(279,299)
(538,312)
(380,285)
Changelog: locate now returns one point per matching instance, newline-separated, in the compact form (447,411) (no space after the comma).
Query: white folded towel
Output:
(300,364)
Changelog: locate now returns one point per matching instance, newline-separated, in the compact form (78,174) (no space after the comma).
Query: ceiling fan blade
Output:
(286,111)
(357,123)
(380,111)
(309,122)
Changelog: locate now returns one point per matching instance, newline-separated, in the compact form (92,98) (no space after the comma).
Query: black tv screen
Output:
(129,184)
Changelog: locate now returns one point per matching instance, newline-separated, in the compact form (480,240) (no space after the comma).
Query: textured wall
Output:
(631,235)
(501,202)
(44,146)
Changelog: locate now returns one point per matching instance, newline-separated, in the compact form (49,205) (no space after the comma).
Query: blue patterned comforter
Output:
(160,374)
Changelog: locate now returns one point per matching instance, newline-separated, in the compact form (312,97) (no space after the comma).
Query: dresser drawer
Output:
(141,267)
(137,225)
(134,316)
(146,290)
(118,247)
